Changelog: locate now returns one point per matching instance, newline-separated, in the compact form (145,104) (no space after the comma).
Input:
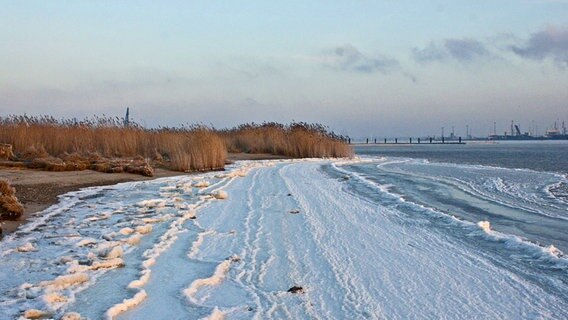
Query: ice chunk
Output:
(218,276)
(65,281)
(126,304)
(108,264)
(54,299)
(86,242)
(485,225)
(153,203)
(110,250)
(144,229)
(36,314)
(215,315)
(28,247)
(220,194)
(554,251)
(145,276)
(133,240)
(71,316)
(126,231)
(201,184)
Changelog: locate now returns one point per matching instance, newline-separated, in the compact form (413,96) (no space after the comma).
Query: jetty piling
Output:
(411,140)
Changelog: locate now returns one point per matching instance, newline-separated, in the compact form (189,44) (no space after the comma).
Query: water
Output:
(550,156)
(521,188)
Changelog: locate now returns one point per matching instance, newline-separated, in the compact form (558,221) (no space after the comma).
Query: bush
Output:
(10,207)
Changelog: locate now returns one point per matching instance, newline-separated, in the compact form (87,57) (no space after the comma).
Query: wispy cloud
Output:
(551,42)
(349,58)
(463,50)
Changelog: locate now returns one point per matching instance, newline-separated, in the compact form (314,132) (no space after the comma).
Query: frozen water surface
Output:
(364,239)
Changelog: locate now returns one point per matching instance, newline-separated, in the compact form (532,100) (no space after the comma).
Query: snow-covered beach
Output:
(232,244)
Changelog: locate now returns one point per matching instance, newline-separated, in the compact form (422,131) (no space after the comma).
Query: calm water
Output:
(551,156)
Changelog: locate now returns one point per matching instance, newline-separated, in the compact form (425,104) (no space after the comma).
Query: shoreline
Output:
(37,190)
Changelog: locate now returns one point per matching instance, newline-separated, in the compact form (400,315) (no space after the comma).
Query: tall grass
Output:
(296,140)
(183,149)
(107,145)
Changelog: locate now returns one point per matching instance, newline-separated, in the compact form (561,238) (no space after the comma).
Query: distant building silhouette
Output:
(127,117)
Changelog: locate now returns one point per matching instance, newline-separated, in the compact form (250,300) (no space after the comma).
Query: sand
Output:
(37,190)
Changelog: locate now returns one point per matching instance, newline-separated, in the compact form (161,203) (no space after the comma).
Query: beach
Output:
(297,239)
(38,189)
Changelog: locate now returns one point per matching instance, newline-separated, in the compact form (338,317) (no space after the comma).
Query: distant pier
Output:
(407,141)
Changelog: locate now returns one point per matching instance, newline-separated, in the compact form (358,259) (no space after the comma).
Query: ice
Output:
(26,247)
(71,316)
(168,249)
(36,314)
(220,194)
(201,184)
(485,225)
(144,229)
(218,276)
(126,304)
(126,231)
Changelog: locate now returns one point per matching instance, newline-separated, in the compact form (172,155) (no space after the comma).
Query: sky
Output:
(363,68)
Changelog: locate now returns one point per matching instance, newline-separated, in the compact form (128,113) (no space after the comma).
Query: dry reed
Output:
(107,145)
(296,140)
(10,207)
(63,145)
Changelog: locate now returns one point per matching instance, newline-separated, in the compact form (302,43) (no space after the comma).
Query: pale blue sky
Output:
(371,68)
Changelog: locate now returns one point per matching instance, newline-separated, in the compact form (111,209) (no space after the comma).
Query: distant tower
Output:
(127,117)
(512,129)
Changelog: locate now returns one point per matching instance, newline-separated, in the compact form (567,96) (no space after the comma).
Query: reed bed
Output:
(296,140)
(109,145)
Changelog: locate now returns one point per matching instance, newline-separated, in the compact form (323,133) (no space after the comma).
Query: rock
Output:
(296,290)
(85,262)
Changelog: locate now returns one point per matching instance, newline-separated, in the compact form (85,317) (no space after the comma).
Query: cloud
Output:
(551,42)
(349,58)
(462,50)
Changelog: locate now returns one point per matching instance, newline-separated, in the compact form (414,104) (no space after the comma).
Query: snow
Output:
(71,316)
(144,229)
(26,247)
(172,249)
(217,277)
(126,304)
(220,194)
